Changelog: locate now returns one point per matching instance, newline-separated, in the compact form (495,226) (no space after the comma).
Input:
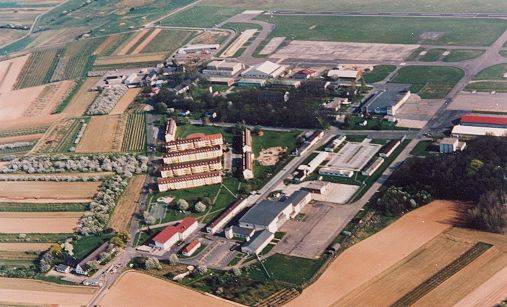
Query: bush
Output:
(182,204)
(152,263)
(199,207)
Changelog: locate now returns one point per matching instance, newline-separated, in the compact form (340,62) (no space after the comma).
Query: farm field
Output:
(82,99)
(157,293)
(33,292)
(25,126)
(125,101)
(114,42)
(20,17)
(39,68)
(76,60)
(127,205)
(135,133)
(49,99)
(435,6)
(168,41)
(136,37)
(388,30)
(15,103)
(103,134)
(21,247)
(127,59)
(60,137)
(8,35)
(9,72)
(42,191)
(429,82)
(147,39)
(39,222)
(201,16)
(105,44)
(20,138)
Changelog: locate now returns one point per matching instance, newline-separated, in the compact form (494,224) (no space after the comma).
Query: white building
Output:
(170,131)
(264,71)
(172,234)
(450,145)
(344,74)
(223,68)
(258,243)
(335,143)
(464,131)
(316,162)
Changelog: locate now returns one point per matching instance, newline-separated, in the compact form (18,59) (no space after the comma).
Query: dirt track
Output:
(156,293)
(365,260)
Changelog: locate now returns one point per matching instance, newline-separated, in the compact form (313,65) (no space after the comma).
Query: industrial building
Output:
(372,167)
(450,145)
(265,70)
(226,216)
(299,200)
(170,130)
(252,82)
(172,234)
(314,163)
(223,68)
(239,232)
(267,214)
(190,168)
(344,74)
(388,100)
(388,149)
(247,165)
(478,120)
(189,181)
(318,187)
(351,158)
(246,140)
(198,48)
(335,143)
(461,131)
(259,241)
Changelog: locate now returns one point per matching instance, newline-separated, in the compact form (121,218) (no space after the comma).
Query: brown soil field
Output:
(364,261)
(135,58)
(9,71)
(156,293)
(104,44)
(48,191)
(19,17)
(490,293)
(39,222)
(125,101)
(28,291)
(14,104)
(209,37)
(145,43)
(20,138)
(127,205)
(24,123)
(110,128)
(125,49)
(50,97)
(10,35)
(24,247)
(83,98)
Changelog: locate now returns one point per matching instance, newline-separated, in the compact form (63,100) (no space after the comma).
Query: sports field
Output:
(402,30)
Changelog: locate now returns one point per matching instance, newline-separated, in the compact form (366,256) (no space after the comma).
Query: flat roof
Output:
(353,156)
(484,119)
(449,141)
(264,212)
(259,239)
(296,197)
(388,97)
(475,130)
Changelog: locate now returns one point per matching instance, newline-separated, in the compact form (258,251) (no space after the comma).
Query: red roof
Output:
(190,246)
(484,119)
(306,72)
(171,230)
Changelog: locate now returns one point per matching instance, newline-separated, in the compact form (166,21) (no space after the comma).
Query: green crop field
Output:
(77,60)
(115,44)
(436,6)
(379,73)
(201,16)
(458,55)
(168,41)
(23,131)
(432,55)
(28,207)
(135,134)
(401,30)
(38,69)
(494,72)
(430,82)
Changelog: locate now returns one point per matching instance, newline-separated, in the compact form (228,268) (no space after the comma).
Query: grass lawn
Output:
(87,244)
(379,73)
(274,139)
(458,55)
(432,55)
(487,86)
(503,53)
(34,237)
(240,27)
(294,270)
(421,149)
(374,123)
(201,16)
(477,32)
(494,72)
(430,82)
(415,54)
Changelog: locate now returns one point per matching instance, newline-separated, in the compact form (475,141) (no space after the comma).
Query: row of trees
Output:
(477,175)
(49,178)
(107,99)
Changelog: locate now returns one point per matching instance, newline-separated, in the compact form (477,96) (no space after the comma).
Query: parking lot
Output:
(309,237)
(416,112)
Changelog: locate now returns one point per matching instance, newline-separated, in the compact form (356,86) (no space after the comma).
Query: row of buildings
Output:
(247,155)
(190,162)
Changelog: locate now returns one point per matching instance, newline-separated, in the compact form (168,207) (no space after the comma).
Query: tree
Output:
(152,263)
(117,241)
(148,218)
(199,207)
(203,269)
(182,204)
(173,259)
(236,271)
(124,236)
(55,249)
(161,108)
(490,213)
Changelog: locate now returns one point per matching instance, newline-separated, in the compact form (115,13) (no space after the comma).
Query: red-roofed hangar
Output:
(484,121)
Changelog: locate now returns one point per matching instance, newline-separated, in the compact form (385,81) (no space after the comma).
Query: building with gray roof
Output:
(259,241)
(267,214)
(388,100)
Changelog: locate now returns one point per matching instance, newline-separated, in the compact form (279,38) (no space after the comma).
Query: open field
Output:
(489,293)
(103,134)
(210,37)
(114,42)
(369,258)
(39,68)
(22,247)
(201,16)
(105,44)
(147,40)
(126,59)
(344,51)
(435,6)
(28,292)
(477,32)
(379,73)
(135,133)
(125,101)
(50,191)
(127,204)
(487,86)
(132,42)
(25,126)
(20,17)
(9,35)
(82,99)
(168,41)
(157,292)
(14,104)
(48,100)
(429,82)
(9,72)
(432,55)
(39,222)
